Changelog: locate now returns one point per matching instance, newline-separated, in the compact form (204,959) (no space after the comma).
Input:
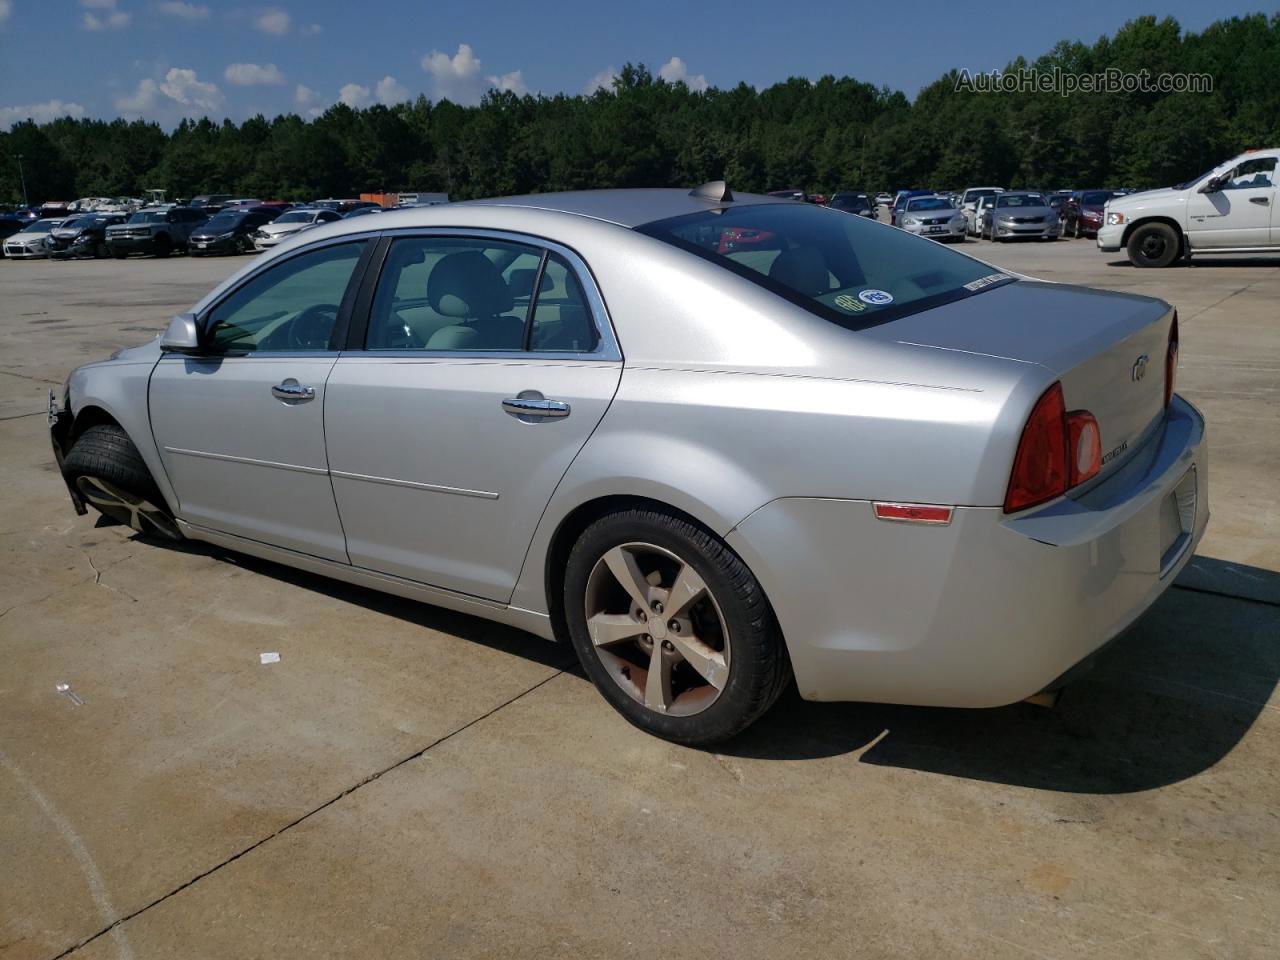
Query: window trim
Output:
(607,348)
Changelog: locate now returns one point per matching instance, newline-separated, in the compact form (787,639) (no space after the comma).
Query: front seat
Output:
(468,286)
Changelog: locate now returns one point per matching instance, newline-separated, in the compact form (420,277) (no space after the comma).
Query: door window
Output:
(453,293)
(1251,174)
(290,308)
(562,321)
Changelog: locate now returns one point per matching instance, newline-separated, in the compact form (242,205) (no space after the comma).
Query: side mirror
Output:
(182,335)
(1213,185)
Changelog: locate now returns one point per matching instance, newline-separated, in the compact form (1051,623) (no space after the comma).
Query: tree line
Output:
(823,136)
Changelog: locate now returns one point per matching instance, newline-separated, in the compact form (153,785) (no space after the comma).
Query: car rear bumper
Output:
(1111,237)
(986,610)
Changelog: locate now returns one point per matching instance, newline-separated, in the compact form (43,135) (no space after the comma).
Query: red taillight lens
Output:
(1085,443)
(1171,362)
(1040,467)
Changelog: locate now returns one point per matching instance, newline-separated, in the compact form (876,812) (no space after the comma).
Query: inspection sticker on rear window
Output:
(877,298)
(986,281)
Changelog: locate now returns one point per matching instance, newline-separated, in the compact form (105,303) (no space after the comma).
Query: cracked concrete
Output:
(412,782)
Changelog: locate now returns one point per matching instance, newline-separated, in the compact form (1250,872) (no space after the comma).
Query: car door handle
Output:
(292,390)
(1260,200)
(529,407)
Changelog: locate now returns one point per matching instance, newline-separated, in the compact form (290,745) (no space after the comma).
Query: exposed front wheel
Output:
(1153,245)
(110,474)
(672,627)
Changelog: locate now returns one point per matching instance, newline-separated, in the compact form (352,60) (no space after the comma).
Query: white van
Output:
(1230,209)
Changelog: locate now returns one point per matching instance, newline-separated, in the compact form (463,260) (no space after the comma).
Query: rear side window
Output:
(845,269)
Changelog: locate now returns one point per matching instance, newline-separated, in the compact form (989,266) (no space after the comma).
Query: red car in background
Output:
(738,238)
(1083,214)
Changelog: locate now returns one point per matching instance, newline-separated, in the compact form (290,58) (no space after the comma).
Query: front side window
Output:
(474,294)
(288,308)
(845,269)
(1251,174)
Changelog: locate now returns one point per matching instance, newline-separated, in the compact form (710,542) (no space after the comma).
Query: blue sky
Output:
(165,59)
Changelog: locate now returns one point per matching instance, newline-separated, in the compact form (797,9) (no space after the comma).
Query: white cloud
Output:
(311,30)
(142,100)
(184,11)
(180,90)
(512,82)
(39,112)
(390,90)
(459,78)
(676,70)
(6,8)
(252,74)
(273,20)
(354,95)
(110,18)
(601,81)
(303,95)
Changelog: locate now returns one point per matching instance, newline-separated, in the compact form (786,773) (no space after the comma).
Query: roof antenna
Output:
(715,190)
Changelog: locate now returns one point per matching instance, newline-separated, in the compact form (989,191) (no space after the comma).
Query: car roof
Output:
(627,208)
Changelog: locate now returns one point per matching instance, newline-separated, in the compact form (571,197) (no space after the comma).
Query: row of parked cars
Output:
(208,225)
(997,214)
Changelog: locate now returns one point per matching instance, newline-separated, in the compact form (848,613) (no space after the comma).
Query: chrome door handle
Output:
(1262,200)
(523,407)
(291,389)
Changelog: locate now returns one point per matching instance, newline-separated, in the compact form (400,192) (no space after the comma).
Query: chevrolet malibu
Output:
(845,455)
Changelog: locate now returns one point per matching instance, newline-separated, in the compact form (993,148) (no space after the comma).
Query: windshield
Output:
(223,221)
(971,195)
(1095,198)
(1020,200)
(153,216)
(297,216)
(77,223)
(928,203)
(40,226)
(845,269)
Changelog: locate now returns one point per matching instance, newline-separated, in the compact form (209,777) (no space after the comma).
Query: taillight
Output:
(1058,451)
(1171,361)
(1085,441)
(1040,465)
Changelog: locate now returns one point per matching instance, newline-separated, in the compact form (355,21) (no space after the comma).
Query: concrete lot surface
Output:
(411,782)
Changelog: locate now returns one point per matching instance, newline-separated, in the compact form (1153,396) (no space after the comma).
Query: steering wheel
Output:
(312,328)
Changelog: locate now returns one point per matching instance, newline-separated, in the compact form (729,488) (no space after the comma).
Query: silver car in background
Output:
(934,217)
(836,453)
(292,222)
(1015,215)
(29,242)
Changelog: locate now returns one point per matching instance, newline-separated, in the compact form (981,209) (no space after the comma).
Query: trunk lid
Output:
(1093,341)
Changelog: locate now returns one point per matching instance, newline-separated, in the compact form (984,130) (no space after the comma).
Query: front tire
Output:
(672,628)
(110,474)
(1153,245)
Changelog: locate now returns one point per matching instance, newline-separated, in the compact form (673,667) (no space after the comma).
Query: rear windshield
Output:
(845,269)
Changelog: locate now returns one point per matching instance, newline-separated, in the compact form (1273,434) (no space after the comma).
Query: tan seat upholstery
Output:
(468,286)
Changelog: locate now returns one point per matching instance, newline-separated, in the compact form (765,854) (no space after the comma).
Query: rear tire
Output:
(110,474)
(1153,245)
(724,624)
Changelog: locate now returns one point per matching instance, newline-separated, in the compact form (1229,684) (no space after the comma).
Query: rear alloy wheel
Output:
(1153,245)
(672,628)
(110,474)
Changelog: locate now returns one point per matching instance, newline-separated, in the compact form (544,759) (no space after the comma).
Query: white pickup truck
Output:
(1231,209)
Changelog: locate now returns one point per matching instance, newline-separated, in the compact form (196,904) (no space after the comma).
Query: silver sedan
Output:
(1018,215)
(934,217)
(835,452)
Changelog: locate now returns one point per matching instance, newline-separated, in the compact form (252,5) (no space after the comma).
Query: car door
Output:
(485,363)
(1241,213)
(240,426)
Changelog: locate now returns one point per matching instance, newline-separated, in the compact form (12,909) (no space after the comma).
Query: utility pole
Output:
(23,177)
